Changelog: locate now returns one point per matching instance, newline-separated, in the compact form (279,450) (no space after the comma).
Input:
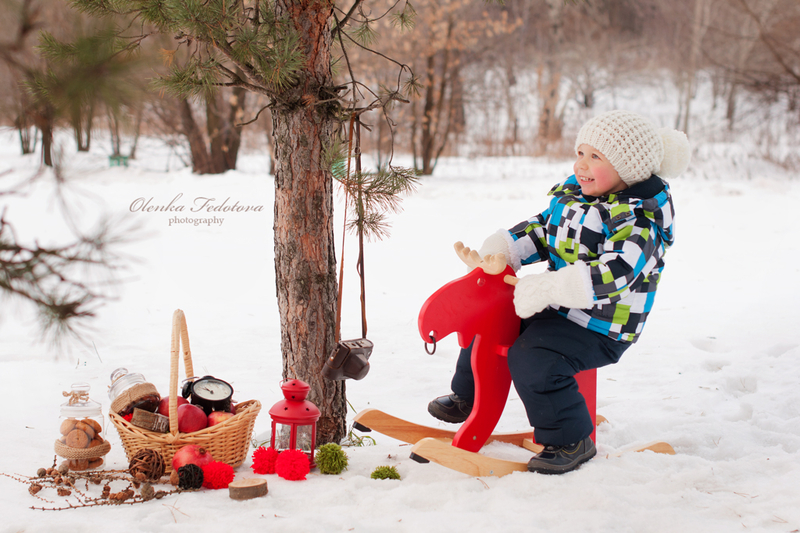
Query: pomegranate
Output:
(215,417)
(163,405)
(191,454)
(191,418)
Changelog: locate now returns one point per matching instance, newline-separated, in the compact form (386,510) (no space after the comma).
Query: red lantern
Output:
(294,420)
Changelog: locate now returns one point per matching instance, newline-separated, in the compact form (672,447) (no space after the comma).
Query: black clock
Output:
(209,393)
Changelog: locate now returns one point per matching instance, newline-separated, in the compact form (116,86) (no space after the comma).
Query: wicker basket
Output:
(227,441)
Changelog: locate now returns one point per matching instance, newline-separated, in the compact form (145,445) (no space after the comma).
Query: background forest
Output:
(494,79)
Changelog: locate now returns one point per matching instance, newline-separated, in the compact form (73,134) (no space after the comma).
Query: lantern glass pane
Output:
(304,438)
(283,434)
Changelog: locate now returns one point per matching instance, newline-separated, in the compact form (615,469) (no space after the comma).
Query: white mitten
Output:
(567,287)
(495,244)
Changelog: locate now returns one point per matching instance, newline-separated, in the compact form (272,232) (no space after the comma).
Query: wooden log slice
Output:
(247,489)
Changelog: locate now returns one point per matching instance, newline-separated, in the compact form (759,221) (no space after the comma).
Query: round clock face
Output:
(211,394)
(210,388)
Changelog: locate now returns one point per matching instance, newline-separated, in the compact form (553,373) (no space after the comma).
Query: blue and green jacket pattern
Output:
(622,238)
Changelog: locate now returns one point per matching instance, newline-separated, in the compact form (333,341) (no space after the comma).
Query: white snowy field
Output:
(715,373)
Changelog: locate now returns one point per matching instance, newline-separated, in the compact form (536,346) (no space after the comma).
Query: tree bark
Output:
(305,261)
(44,119)
(201,159)
(428,117)
(215,127)
(233,138)
(551,123)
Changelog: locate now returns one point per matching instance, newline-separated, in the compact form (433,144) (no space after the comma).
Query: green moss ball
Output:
(331,459)
(385,472)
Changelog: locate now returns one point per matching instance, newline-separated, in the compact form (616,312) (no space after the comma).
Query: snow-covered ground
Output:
(715,373)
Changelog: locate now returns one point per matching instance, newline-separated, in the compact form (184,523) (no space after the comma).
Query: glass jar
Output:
(81,438)
(129,391)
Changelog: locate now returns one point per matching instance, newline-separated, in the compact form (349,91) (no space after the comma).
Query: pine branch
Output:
(50,276)
(356,5)
(374,194)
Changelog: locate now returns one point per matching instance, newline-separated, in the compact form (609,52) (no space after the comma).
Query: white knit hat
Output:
(634,147)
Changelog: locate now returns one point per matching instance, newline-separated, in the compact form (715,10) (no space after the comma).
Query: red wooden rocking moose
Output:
(477,306)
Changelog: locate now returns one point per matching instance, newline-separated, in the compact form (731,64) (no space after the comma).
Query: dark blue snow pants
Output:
(543,362)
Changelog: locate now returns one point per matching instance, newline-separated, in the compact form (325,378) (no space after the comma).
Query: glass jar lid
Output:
(79,405)
(122,380)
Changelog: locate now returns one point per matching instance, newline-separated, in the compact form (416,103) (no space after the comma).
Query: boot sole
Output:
(562,469)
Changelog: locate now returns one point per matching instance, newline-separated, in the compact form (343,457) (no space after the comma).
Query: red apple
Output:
(191,454)
(191,418)
(163,405)
(218,416)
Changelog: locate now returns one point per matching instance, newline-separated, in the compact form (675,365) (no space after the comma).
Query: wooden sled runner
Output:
(479,308)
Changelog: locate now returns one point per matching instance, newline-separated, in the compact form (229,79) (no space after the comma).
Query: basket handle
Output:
(180,336)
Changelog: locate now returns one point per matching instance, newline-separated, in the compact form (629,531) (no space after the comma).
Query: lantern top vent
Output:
(294,408)
(294,389)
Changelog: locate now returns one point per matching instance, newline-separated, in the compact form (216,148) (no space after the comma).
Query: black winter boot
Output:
(450,408)
(562,459)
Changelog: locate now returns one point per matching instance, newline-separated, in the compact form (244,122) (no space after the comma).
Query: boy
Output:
(604,236)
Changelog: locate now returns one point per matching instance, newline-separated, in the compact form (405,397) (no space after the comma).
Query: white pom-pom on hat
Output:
(677,153)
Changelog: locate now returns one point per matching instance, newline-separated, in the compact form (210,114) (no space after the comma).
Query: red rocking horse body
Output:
(479,308)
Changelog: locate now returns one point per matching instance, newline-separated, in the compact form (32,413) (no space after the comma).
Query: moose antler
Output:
(471,258)
(490,264)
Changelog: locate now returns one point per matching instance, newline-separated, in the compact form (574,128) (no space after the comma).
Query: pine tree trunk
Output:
(305,262)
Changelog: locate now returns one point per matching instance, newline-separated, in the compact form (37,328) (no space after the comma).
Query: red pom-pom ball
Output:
(217,475)
(264,460)
(292,465)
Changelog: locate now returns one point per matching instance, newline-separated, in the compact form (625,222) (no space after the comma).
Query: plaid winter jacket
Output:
(622,238)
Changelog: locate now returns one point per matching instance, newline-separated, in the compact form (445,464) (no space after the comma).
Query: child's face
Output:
(597,177)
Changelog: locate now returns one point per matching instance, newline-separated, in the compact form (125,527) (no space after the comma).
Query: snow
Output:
(714,375)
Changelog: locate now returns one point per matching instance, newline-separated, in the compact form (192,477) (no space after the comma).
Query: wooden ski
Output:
(442,452)
(436,445)
(656,446)
(405,431)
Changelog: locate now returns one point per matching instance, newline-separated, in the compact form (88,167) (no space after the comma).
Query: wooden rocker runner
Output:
(477,306)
